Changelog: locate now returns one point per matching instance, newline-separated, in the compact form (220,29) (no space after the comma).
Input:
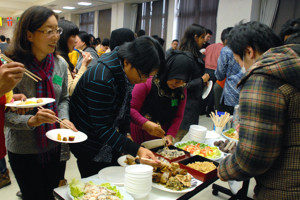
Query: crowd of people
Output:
(126,90)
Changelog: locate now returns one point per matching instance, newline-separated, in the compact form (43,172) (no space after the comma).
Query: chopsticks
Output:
(27,72)
(91,57)
(220,121)
(229,146)
(60,120)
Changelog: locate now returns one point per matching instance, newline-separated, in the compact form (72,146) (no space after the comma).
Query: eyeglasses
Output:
(52,32)
(142,76)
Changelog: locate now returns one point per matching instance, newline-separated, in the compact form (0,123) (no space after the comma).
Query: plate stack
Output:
(138,180)
(197,133)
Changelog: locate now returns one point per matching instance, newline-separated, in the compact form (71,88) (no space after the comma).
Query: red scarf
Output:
(44,88)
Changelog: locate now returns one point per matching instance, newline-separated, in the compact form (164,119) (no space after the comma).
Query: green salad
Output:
(78,187)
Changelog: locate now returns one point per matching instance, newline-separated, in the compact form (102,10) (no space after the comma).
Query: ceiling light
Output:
(68,7)
(84,3)
(57,11)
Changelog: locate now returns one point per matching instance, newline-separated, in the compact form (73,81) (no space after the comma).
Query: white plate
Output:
(79,136)
(228,138)
(121,161)
(212,135)
(151,144)
(114,175)
(195,183)
(126,196)
(207,89)
(45,101)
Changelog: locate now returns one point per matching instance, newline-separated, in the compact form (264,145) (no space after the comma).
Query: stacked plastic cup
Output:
(138,180)
(197,133)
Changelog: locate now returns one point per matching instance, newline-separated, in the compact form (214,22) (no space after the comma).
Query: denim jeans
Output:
(3,165)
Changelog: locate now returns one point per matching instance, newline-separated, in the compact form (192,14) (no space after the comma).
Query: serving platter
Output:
(229,138)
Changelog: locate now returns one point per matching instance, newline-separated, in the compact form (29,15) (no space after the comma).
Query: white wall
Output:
(231,12)
(170,24)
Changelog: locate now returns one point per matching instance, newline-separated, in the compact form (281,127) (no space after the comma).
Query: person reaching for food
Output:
(157,106)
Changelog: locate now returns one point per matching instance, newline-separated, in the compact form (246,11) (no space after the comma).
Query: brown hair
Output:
(31,19)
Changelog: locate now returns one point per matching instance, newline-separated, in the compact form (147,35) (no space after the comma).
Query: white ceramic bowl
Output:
(151,144)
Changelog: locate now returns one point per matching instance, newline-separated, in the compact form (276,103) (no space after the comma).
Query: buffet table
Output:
(61,193)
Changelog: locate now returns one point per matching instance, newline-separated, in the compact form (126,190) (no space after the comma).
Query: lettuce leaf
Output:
(76,188)
(114,188)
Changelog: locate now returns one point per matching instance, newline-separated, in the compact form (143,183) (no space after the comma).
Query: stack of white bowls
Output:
(197,133)
(138,180)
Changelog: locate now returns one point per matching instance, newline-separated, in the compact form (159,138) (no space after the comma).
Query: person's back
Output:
(277,73)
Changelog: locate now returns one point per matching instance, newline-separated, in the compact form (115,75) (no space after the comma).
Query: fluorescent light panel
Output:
(68,8)
(57,11)
(84,3)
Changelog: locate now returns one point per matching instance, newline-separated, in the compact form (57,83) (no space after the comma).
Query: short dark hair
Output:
(120,36)
(225,33)
(188,43)
(105,42)
(98,40)
(208,31)
(141,33)
(85,37)
(175,40)
(31,19)
(159,39)
(254,34)
(144,53)
(2,38)
(293,39)
(290,27)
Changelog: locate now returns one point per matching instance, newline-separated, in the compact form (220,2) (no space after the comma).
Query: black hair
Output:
(120,36)
(225,33)
(2,38)
(141,33)
(85,37)
(31,19)
(188,43)
(98,40)
(254,34)
(69,29)
(208,31)
(175,40)
(105,42)
(159,39)
(293,39)
(290,27)
(145,54)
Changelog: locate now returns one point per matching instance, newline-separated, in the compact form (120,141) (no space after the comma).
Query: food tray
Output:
(197,174)
(187,154)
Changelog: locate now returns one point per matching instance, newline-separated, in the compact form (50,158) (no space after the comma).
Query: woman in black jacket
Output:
(191,43)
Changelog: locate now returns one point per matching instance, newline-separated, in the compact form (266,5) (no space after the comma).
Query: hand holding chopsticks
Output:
(27,72)
(63,122)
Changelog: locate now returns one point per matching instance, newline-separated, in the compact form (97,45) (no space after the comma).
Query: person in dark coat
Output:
(191,43)
(100,104)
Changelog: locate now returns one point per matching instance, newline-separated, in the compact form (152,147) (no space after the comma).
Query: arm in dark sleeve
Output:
(101,101)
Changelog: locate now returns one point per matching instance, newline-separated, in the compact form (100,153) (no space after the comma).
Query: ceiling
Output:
(14,8)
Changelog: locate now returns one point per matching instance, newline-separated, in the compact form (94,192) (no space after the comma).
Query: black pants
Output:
(36,179)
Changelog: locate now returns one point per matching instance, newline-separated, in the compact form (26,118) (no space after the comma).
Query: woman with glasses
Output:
(33,158)
(84,44)
(157,106)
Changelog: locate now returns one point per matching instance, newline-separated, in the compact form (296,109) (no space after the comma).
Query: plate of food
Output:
(201,149)
(66,135)
(88,188)
(231,134)
(207,89)
(171,178)
(126,160)
(30,103)
(113,174)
